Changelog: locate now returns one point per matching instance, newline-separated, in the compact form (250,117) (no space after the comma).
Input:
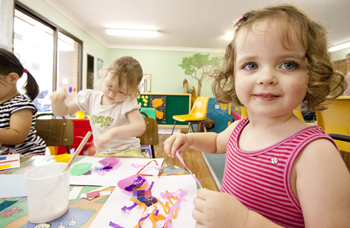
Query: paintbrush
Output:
(75,155)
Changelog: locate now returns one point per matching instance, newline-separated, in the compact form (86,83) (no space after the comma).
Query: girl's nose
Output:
(111,93)
(267,78)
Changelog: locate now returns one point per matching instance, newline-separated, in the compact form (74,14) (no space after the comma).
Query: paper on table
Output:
(9,161)
(111,178)
(12,185)
(111,210)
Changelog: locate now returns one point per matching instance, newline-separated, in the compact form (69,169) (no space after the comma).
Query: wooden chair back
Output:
(56,132)
(150,136)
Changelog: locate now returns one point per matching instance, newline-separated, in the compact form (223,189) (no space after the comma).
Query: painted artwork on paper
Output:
(159,103)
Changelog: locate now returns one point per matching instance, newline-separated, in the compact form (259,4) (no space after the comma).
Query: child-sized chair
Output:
(197,114)
(150,136)
(55,132)
(336,120)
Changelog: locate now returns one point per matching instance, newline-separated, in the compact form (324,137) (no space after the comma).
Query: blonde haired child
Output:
(279,172)
(17,112)
(115,118)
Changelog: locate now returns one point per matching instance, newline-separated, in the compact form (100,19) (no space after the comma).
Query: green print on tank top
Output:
(105,121)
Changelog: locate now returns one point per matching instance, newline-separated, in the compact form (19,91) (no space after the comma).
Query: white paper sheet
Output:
(111,210)
(12,185)
(111,178)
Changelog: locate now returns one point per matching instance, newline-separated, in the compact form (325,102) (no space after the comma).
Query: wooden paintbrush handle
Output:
(80,147)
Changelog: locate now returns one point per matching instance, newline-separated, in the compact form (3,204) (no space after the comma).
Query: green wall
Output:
(167,75)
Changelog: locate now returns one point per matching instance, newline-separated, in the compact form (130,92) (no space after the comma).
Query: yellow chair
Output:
(336,120)
(197,114)
(297,112)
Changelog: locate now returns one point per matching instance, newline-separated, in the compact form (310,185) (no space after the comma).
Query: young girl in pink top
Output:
(280,171)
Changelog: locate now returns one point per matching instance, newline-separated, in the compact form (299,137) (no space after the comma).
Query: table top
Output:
(81,213)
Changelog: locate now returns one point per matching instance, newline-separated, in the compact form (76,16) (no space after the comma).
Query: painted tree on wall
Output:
(199,66)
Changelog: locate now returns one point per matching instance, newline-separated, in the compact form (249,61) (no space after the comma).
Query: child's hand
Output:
(103,139)
(92,149)
(177,142)
(57,97)
(215,209)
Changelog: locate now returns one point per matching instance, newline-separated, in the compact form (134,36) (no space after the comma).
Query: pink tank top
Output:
(261,179)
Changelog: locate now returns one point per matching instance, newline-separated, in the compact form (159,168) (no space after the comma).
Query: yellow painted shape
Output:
(159,114)
(157,102)
(63,158)
(5,166)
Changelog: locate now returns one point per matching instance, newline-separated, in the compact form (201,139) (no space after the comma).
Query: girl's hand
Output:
(92,149)
(215,209)
(57,97)
(177,142)
(103,139)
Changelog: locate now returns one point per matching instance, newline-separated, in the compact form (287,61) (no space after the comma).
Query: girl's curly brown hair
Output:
(324,82)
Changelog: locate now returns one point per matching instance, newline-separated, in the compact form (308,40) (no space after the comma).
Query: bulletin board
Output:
(167,105)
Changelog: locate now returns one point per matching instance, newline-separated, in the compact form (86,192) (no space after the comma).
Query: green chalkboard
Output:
(169,104)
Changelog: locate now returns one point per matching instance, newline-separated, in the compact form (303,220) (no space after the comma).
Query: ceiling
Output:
(188,24)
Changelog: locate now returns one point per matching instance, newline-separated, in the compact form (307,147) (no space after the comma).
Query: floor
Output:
(193,160)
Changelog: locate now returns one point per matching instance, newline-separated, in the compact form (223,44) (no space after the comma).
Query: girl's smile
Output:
(266,96)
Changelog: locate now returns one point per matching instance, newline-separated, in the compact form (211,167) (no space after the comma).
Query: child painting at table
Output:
(115,118)
(279,171)
(17,111)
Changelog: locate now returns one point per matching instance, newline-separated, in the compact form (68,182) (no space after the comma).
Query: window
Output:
(52,56)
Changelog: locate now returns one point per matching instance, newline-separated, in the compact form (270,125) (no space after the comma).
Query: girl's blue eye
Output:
(250,66)
(289,65)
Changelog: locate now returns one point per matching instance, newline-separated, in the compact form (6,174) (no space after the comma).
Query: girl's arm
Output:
(323,185)
(20,124)
(319,180)
(136,127)
(211,142)
(59,107)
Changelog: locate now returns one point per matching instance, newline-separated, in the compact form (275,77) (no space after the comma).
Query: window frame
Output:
(56,29)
